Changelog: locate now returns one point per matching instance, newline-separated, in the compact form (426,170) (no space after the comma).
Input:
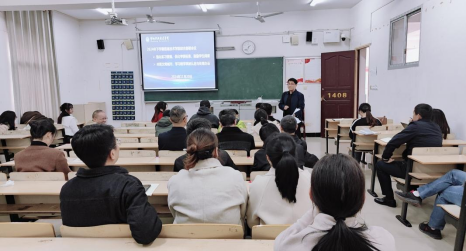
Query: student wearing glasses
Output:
(175,139)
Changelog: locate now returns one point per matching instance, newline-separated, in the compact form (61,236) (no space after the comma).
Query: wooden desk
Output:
(5,137)
(426,160)
(147,135)
(339,134)
(331,130)
(123,146)
(446,142)
(124,244)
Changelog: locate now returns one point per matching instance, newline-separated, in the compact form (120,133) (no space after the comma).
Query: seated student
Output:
(258,106)
(268,108)
(30,116)
(231,137)
(289,126)
(39,157)
(175,139)
(438,117)
(204,112)
(159,108)
(282,195)
(333,223)
(421,132)
(266,133)
(449,187)
(192,125)
(99,117)
(70,123)
(164,124)
(366,120)
(261,117)
(205,191)
(7,121)
(239,123)
(105,193)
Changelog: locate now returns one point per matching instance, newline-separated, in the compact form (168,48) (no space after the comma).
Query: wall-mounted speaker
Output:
(294,40)
(100,44)
(309,36)
(128,44)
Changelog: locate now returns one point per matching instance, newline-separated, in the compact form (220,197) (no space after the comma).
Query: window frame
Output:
(404,17)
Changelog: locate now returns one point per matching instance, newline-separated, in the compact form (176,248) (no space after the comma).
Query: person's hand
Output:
(286,107)
(389,160)
(410,120)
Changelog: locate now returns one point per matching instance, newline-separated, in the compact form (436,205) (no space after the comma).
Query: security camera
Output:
(343,37)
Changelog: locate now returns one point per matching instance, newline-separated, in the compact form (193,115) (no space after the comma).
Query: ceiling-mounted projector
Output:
(114,20)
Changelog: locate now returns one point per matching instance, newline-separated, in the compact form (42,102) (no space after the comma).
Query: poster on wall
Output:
(312,71)
(294,69)
(123,107)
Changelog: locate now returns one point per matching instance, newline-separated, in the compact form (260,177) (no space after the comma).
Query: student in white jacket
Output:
(205,191)
(338,192)
(70,123)
(282,195)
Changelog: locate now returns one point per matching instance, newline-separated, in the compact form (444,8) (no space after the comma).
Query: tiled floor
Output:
(377,215)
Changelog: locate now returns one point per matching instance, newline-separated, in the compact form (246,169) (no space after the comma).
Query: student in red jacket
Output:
(159,109)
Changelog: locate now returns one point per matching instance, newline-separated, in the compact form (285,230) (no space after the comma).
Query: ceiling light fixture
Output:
(104,11)
(315,2)
(203,7)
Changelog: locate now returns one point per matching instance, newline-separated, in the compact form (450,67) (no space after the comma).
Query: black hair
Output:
(439,118)
(424,110)
(41,127)
(93,143)
(227,117)
(30,116)
(8,118)
(166,113)
(293,80)
(288,124)
(260,116)
(267,130)
(281,152)
(205,103)
(258,105)
(267,107)
(366,108)
(159,106)
(197,123)
(235,111)
(64,108)
(337,189)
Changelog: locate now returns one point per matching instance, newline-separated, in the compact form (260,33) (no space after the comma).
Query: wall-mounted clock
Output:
(249,47)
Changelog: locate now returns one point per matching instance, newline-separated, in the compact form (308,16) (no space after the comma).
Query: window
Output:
(405,39)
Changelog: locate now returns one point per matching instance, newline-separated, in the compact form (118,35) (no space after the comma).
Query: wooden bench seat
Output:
(331,129)
(452,210)
(395,156)
(414,182)
(426,176)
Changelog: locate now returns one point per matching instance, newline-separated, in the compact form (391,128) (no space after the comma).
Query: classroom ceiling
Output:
(86,9)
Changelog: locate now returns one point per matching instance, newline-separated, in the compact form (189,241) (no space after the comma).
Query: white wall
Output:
(439,79)
(87,78)
(6,83)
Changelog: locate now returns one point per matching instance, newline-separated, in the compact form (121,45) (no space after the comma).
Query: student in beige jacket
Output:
(282,195)
(338,191)
(205,191)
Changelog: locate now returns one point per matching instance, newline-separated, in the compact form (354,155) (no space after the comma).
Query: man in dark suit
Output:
(291,100)
(175,139)
(231,137)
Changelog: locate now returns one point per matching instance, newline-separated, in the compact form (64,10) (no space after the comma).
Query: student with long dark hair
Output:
(261,118)
(282,195)
(438,117)
(70,123)
(366,119)
(206,191)
(7,121)
(338,191)
(159,108)
(39,157)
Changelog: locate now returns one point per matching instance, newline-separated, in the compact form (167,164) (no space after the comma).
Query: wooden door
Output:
(338,85)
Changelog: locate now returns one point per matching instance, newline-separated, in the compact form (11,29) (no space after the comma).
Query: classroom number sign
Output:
(337,95)
(123,107)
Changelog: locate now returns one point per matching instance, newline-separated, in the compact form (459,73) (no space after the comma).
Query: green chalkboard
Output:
(237,79)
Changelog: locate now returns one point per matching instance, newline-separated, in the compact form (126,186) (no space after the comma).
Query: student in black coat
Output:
(105,193)
(260,160)
(366,120)
(175,139)
(231,137)
(192,125)
(204,112)
(421,132)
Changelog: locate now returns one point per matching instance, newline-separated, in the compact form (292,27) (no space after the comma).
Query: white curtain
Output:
(35,80)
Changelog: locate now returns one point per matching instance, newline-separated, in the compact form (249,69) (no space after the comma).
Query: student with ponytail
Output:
(70,123)
(333,223)
(261,118)
(366,120)
(282,195)
(205,191)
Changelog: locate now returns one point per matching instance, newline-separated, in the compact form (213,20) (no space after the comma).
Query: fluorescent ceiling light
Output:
(104,11)
(315,2)
(203,7)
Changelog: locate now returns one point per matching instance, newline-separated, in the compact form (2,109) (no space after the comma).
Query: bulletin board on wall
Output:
(123,104)
(307,70)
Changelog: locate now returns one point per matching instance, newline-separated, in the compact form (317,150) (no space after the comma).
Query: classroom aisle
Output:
(377,215)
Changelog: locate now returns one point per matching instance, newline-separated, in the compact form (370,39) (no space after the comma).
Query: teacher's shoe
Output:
(434,233)
(386,202)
